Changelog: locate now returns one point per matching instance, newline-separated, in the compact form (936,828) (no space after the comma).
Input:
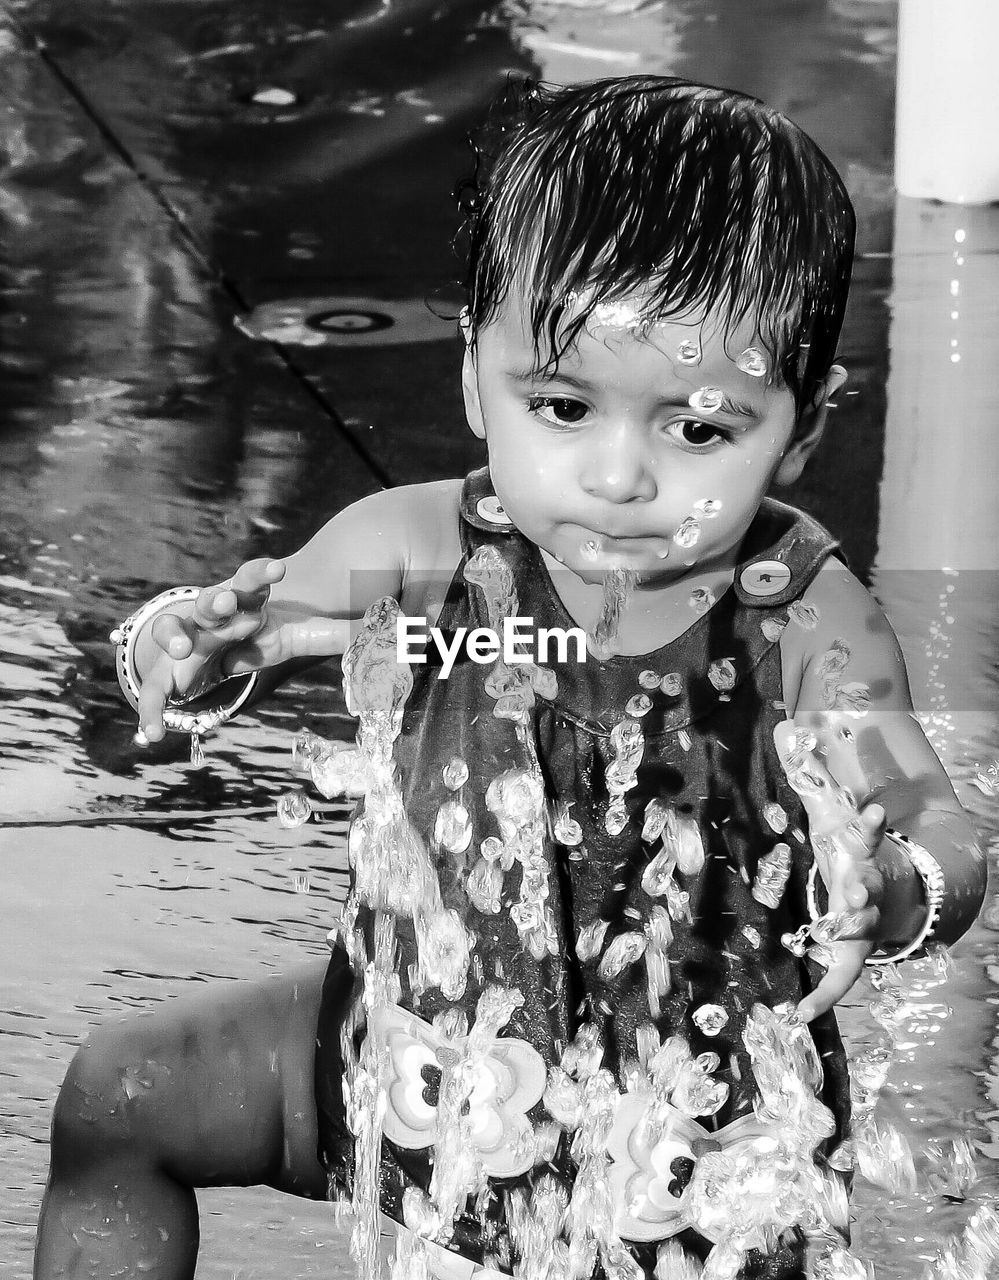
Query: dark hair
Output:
(705,196)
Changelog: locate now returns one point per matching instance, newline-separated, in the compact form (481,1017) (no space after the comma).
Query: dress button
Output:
(490,510)
(765,578)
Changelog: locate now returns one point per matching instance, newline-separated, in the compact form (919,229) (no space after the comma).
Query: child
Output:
(574,926)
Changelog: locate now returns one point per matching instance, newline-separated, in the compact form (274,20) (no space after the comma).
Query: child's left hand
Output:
(845,841)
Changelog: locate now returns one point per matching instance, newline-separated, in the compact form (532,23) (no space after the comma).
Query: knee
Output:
(99,1109)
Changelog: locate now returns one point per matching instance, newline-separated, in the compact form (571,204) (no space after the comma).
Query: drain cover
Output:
(346,322)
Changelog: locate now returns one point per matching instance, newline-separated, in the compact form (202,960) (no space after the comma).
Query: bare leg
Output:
(210,1090)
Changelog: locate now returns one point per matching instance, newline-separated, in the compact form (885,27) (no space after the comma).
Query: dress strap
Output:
(480,507)
(783,551)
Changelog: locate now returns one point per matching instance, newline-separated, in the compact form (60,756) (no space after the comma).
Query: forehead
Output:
(691,344)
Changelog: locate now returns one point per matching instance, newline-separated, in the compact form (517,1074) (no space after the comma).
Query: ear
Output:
(470,391)
(809,427)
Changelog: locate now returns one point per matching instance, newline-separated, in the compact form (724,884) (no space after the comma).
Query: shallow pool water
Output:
(156,188)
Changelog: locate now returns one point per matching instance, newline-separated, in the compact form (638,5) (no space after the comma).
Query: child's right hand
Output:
(233,629)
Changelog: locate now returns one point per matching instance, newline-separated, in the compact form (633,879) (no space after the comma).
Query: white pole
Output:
(937,566)
(947,106)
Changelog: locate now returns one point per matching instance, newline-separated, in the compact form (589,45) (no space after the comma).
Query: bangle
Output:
(179,715)
(934,888)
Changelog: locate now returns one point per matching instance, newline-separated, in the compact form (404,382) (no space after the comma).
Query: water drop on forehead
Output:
(707,399)
(753,362)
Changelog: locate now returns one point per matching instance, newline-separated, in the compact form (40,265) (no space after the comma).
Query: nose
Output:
(618,466)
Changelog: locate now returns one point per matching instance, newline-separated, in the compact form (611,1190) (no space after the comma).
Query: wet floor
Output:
(228,300)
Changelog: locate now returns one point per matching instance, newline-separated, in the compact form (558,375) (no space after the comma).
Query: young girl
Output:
(564,1031)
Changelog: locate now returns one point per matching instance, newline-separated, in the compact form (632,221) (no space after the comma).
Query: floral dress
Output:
(636,927)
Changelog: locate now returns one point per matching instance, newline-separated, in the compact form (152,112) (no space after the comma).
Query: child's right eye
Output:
(558,411)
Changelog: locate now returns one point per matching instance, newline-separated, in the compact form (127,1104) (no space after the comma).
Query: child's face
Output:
(602,463)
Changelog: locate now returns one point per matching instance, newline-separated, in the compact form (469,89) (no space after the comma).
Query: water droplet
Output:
(306,748)
(708,508)
(776,817)
(701,599)
(656,817)
(453,826)
(567,831)
(752,935)
(689,351)
(197,751)
(805,615)
(274,97)
(649,680)
(484,887)
(688,532)
(773,628)
(753,362)
(591,939)
(492,848)
(707,399)
(590,549)
(617,315)
(455,774)
(616,818)
(721,673)
(639,705)
(623,951)
(771,876)
(293,809)
(854,698)
(302,882)
(671,684)
(710,1018)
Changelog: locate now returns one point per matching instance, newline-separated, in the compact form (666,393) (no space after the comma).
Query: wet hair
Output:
(699,197)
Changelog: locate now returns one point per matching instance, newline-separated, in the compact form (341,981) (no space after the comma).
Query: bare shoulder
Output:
(844,628)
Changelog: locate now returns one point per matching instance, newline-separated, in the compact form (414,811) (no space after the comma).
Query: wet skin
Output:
(210,1090)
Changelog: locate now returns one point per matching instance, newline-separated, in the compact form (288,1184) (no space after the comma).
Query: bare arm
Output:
(890,762)
(279,616)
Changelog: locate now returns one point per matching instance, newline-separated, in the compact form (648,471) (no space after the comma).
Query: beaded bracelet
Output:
(179,715)
(934,887)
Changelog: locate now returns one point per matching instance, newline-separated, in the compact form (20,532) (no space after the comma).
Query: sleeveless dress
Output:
(709,760)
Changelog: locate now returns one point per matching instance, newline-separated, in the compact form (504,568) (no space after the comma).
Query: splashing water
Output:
(772,875)
(393,876)
(618,586)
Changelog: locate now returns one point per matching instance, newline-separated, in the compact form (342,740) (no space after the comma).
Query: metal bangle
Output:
(180,716)
(934,888)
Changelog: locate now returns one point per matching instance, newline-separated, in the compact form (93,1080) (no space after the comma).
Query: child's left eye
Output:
(558,411)
(696,434)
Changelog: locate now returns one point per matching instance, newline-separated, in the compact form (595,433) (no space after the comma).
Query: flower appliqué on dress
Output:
(510,1079)
(649,1179)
